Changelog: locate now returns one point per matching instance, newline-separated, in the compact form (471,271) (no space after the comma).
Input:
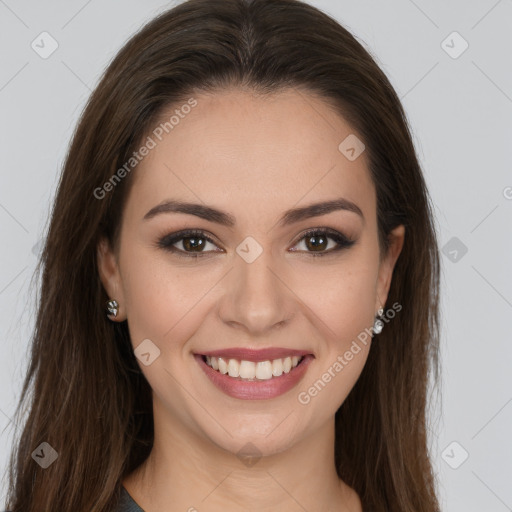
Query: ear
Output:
(387,264)
(110,276)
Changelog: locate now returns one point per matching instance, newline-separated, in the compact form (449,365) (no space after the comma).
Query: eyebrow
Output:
(225,219)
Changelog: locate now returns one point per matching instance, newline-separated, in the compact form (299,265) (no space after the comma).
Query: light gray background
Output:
(460,110)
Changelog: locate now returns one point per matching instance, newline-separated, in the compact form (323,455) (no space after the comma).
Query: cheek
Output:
(164,300)
(340,296)
(341,299)
(344,352)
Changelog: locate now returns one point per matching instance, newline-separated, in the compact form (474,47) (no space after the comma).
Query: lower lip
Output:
(256,389)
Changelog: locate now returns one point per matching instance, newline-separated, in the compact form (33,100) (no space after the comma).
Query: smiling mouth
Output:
(240,369)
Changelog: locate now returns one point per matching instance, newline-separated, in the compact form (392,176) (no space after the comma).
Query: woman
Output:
(242,194)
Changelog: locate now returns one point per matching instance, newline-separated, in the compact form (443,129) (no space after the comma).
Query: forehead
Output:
(238,148)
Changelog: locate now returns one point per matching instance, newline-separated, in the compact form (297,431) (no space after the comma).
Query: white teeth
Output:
(233,368)
(223,366)
(247,370)
(277,367)
(262,370)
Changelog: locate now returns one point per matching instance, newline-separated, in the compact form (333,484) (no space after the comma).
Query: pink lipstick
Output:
(250,374)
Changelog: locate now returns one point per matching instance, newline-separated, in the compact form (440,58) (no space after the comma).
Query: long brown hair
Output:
(84,391)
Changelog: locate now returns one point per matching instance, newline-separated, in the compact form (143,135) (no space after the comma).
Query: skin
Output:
(254,157)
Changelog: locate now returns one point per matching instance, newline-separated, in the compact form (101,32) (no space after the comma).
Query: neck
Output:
(190,472)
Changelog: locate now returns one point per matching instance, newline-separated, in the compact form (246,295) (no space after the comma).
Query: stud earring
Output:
(112,308)
(378,324)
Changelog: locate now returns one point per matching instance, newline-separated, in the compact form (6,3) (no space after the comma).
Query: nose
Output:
(256,297)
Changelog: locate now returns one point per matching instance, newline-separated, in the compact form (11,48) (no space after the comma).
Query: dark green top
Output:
(127,503)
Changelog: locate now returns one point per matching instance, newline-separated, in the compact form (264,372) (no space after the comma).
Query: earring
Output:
(378,324)
(112,308)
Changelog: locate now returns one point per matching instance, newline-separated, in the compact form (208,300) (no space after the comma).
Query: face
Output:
(251,284)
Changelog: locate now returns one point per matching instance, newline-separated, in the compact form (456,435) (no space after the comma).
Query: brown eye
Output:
(193,243)
(316,242)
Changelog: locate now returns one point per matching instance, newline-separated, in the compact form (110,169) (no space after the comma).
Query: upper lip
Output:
(255,355)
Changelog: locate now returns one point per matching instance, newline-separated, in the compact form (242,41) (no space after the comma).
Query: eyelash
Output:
(168,241)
